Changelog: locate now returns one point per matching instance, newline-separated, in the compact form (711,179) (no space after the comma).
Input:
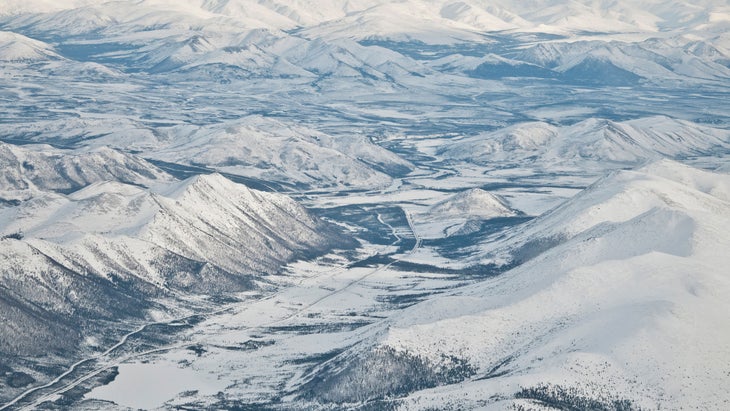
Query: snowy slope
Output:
(16,47)
(245,36)
(38,167)
(497,15)
(627,303)
(474,202)
(253,146)
(292,154)
(205,219)
(624,63)
(167,35)
(106,250)
(460,212)
(594,141)
(374,112)
(462,20)
(119,133)
(11,7)
(45,304)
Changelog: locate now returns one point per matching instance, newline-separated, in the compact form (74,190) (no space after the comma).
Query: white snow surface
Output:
(30,168)
(590,142)
(620,291)
(142,386)
(277,151)
(458,20)
(631,300)
(16,47)
(110,227)
(453,214)
(476,202)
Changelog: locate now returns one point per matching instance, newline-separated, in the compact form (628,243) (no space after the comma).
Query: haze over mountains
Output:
(364,204)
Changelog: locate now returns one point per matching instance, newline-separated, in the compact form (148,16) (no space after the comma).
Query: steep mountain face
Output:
(107,250)
(204,218)
(216,226)
(634,270)
(49,306)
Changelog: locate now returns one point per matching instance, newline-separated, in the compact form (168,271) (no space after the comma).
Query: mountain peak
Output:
(18,48)
(200,183)
(473,202)
(48,168)
(106,187)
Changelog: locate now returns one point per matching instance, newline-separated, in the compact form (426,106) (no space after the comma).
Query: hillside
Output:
(630,270)
(110,248)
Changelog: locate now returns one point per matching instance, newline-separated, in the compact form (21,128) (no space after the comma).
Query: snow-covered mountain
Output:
(474,202)
(105,250)
(47,307)
(251,38)
(461,213)
(428,134)
(219,227)
(29,168)
(458,16)
(291,154)
(253,146)
(591,142)
(624,63)
(18,48)
(119,133)
(628,271)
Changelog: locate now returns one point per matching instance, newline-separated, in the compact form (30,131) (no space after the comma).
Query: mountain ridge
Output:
(596,330)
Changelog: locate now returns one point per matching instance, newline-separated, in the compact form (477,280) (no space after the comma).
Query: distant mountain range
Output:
(591,142)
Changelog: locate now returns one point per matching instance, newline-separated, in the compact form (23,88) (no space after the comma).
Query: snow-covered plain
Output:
(511,204)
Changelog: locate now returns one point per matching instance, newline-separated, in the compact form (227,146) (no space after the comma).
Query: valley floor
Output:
(262,349)
(259,347)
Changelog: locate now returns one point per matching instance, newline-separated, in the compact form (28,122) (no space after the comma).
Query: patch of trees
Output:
(18,235)
(570,399)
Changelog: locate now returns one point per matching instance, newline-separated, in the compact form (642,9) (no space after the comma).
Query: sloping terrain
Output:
(291,154)
(461,213)
(591,143)
(627,272)
(31,168)
(491,221)
(106,250)
(18,48)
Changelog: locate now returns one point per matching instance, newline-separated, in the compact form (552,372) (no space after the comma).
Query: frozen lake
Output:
(150,385)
